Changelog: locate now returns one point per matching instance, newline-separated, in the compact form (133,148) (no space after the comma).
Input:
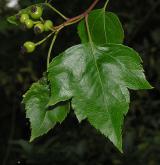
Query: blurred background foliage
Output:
(71,143)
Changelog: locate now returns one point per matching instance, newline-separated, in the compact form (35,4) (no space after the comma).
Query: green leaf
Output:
(42,117)
(97,79)
(12,20)
(104,27)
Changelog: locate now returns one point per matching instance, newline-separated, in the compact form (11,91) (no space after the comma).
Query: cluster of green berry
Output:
(33,19)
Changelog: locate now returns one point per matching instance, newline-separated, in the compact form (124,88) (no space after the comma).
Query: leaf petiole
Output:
(105,5)
(88,30)
(51,46)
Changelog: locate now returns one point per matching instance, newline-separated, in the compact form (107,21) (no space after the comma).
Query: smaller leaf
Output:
(12,20)
(42,117)
(105,27)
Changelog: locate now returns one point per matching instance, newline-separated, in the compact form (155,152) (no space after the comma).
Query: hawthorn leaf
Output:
(97,79)
(42,118)
(104,27)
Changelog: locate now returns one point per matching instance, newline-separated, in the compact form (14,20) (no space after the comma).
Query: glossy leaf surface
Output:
(42,117)
(97,80)
(105,27)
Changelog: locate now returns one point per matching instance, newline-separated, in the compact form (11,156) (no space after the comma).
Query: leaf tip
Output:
(119,147)
(31,139)
(151,87)
(148,86)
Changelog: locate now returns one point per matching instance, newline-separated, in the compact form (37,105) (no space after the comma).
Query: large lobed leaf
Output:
(42,117)
(97,79)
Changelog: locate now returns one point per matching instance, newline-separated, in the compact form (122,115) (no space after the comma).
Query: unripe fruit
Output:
(28,23)
(39,28)
(24,17)
(28,47)
(48,25)
(36,12)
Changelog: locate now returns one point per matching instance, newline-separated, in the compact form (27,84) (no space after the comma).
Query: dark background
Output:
(71,143)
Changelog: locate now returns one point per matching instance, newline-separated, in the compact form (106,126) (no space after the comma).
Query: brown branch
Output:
(77,18)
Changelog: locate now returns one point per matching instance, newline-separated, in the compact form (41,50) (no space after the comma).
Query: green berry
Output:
(24,17)
(48,25)
(39,28)
(28,47)
(36,12)
(28,23)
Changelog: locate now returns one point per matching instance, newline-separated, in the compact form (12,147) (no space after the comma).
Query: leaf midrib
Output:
(100,79)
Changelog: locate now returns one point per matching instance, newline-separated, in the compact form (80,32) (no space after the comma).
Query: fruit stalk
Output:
(58,12)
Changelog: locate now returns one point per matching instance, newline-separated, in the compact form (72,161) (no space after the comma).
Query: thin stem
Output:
(105,5)
(91,7)
(43,40)
(77,18)
(74,22)
(55,10)
(88,31)
(36,22)
(51,47)
(41,19)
